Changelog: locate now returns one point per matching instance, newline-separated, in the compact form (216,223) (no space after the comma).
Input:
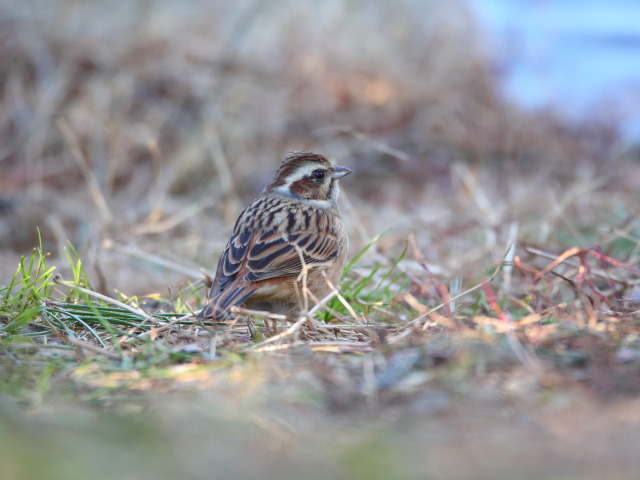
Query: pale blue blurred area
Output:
(579,57)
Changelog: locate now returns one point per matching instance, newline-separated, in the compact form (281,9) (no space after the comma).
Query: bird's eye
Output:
(318,175)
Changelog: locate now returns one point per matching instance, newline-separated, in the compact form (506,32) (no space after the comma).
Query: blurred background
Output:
(137,131)
(577,58)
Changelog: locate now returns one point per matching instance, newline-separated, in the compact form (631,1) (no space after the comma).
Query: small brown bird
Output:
(295,222)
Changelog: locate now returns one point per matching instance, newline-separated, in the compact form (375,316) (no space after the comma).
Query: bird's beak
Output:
(339,172)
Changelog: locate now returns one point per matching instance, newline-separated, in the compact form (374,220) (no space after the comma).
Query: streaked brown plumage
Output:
(294,221)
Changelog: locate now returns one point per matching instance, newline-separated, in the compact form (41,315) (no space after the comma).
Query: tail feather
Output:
(218,308)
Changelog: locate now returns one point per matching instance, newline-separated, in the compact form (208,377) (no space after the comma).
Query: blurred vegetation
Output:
(488,325)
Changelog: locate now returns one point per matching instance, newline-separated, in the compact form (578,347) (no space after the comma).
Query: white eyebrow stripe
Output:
(301,172)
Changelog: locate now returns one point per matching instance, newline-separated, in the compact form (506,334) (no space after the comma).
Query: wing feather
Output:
(278,254)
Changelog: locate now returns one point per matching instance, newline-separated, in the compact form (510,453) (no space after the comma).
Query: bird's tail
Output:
(218,308)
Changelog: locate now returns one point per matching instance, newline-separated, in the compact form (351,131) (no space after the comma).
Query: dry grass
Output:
(504,341)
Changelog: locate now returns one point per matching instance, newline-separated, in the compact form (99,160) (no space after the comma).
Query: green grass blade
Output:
(364,250)
(22,319)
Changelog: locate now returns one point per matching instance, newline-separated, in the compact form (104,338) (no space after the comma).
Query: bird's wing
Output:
(273,254)
(277,254)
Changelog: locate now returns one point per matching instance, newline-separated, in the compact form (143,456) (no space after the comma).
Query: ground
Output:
(487,326)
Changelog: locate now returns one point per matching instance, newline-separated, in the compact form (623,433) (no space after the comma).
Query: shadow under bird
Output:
(293,225)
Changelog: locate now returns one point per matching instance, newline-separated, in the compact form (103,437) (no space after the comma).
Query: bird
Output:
(291,237)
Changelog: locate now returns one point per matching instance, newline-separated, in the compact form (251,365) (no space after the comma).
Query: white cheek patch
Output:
(283,190)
